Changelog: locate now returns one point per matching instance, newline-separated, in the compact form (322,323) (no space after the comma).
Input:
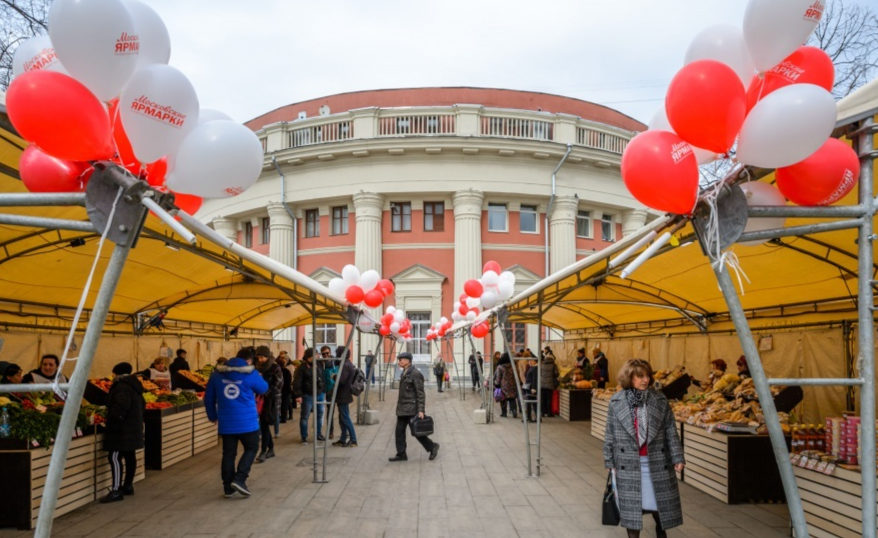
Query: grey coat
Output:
(412,398)
(622,453)
(549,374)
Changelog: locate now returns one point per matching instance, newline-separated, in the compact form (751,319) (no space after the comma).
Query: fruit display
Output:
(603,394)
(148,385)
(206,371)
(159,405)
(195,377)
(149,397)
(178,397)
(666,377)
(706,409)
(103,384)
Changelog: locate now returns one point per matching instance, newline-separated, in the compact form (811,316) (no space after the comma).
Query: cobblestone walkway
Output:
(475,488)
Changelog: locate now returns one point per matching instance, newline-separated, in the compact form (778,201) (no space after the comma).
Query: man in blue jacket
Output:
(230,398)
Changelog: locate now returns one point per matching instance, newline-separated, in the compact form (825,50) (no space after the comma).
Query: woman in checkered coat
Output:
(643,449)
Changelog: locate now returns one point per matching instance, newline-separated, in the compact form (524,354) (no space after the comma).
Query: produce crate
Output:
(179,381)
(95,395)
(734,468)
(599,410)
(575,404)
(205,434)
(168,436)
(832,503)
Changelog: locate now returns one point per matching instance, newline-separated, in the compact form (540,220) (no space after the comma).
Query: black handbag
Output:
(610,515)
(421,427)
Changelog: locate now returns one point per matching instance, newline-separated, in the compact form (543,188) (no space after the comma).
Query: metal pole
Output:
(375,362)
(816,382)
(867,330)
(41,199)
(487,401)
(36,387)
(539,383)
(42,222)
(786,211)
(77,388)
(518,388)
(805,229)
(166,217)
(315,362)
(331,404)
(763,390)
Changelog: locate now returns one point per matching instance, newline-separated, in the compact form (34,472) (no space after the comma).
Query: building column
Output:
(467,250)
(280,249)
(562,230)
(633,220)
(228,228)
(369,211)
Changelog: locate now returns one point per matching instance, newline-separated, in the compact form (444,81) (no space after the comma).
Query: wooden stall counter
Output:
(575,404)
(832,502)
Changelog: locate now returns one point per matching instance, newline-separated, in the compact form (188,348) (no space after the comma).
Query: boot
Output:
(115,495)
(633,533)
(128,489)
(268,454)
(659,531)
(261,457)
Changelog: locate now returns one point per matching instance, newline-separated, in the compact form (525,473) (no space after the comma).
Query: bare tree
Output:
(19,20)
(848,33)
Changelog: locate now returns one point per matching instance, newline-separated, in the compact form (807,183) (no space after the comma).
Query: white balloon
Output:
(759,193)
(489,299)
(506,289)
(351,275)
(470,316)
(723,43)
(490,278)
(219,159)
(390,310)
(394,327)
(659,122)
(155,42)
(456,306)
(472,302)
(34,54)
(443,320)
(787,126)
(399,315)
(774,29)
(366,325)
(209,114)
(337,286)
(159,108)
(97,42)
(507,276)
(369,279)
(456,316)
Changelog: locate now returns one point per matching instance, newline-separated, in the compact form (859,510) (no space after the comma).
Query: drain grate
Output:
(309,462)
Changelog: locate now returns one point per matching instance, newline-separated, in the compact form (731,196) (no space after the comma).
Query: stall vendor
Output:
(718,368)
(582,359)
(158,373)
(11,374)
(743,369)
(47,372)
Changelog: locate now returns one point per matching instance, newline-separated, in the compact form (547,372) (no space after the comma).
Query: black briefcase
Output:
(421,427)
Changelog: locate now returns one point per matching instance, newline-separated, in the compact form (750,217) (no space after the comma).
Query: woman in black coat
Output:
(124,429)
(272,375)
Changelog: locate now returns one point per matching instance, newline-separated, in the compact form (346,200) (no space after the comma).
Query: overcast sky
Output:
(247,58)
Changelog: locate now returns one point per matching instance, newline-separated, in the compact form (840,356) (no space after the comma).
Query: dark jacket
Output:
(530,379)
(303,381)
(622,453)
(272,375)
(125,407)
(346,378)
(549,373)
(288,381)
(231,397)
(504,379)
(603,364)
(412,398)
(178,364)
(370,360)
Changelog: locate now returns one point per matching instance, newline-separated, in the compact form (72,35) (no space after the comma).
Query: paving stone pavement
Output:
(476,488)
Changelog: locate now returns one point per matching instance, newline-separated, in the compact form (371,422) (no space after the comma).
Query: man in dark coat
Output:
(345,397)
(412,402)
(124,429)
(268,417)
(303,391)
(286,403)
(179,363)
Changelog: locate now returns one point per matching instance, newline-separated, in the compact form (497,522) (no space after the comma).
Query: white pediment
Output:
(324,275)
(418,273)
(524,275)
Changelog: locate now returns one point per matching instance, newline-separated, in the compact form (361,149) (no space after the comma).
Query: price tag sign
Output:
(34,443)
(794,459)
(803,462)
(41,408)
(829,468)
(812,464)
(821,467)
(79,432)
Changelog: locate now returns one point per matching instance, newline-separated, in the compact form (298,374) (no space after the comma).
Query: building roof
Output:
(489,97)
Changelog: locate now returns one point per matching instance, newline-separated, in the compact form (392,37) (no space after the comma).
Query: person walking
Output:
(230,400)
(370,362)
(303,390)
(474,371)
(344,397)
(286,402)
(411,403)
(642,450)
(601,367)
(124,433)
(548,383)
(268,416)
(439,371)
(504,379)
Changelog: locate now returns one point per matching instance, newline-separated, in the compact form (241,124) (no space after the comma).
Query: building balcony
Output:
(358,131)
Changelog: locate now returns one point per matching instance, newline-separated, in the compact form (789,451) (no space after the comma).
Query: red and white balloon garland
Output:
(367,289)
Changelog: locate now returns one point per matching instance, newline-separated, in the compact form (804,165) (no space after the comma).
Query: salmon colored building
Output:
(425,185)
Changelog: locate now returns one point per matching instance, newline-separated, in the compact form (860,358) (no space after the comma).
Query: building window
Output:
(248,234)
(419,344)
(326,336)
(340,220)
(583,224)
(434,216)
(401,217)
(516,336)
(528,216)
(497,218)
(266,230)
(312,223)
(607,232)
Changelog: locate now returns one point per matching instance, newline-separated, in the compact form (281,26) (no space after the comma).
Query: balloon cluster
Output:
(98,87)
(367,288)
(755,85)
(438,330)
(394,322)
(484,293)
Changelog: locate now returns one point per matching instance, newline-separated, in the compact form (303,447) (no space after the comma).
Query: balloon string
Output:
(82,299)
(731,259)
(710,196)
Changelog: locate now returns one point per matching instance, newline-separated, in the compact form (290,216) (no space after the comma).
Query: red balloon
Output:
(41,172)
(387,319)
(823,178)
(808,65)
(463,297)
(384,330)
(188,202)
(473,288)
(475,311)
(124,152)
(385,286)
(463,309)
(442,331)
(156,172)
(661,172)
(354,294)
(480,330)
(492,266)
(60,115)
(706,105)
